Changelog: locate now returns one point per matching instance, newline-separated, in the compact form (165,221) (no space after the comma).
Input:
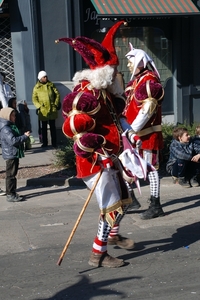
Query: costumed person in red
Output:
(143,112)
(92,118)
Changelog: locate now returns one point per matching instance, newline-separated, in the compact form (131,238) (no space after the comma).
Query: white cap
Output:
(41,74)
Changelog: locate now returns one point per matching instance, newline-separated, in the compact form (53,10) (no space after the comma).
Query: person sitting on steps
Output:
(184,155)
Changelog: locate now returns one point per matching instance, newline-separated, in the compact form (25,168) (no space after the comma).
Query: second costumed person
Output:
(144,96)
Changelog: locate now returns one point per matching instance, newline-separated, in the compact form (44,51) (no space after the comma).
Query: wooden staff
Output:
(78,220)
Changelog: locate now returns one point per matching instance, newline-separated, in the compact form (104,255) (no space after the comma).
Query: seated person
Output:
(183,160)
(196,141)
(196,138)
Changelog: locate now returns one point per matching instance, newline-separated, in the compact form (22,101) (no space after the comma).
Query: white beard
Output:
(99,78)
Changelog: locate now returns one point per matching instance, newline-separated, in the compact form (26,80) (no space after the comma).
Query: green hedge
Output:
(64,155)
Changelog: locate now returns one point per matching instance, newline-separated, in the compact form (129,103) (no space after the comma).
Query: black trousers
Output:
(12,166)
(52,125)
(185,168)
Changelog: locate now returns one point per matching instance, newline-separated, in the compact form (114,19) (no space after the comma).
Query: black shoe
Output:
(2,193)
(14,198)
(194,181)
(154,210)
(135,204)
(151,213)
(183,182)
(44,146)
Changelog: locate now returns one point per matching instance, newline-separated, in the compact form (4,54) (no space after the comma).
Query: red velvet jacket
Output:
(153,140)
(107,124)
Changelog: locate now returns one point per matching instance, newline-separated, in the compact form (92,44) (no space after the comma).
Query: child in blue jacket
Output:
(12,149)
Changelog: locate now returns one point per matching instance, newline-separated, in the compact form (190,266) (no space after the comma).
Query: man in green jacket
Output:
(46,99)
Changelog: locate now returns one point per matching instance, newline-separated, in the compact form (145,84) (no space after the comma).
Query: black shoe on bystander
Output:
(183,182)
(14,198)
(194,181)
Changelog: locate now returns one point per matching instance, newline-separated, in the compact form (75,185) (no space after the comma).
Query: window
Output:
(152,41)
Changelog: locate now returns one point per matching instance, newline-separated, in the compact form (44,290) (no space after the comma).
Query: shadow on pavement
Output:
(184,237)
(86,289)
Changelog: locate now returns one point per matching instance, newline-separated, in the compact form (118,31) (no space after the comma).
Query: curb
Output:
(72,181)
(47,182)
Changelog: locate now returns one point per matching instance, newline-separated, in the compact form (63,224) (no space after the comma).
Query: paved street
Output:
(165,264)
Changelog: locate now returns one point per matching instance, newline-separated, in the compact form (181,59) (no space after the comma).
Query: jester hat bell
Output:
(96,54)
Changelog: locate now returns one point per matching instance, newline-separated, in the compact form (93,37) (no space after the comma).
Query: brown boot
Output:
(121,242)
(104,260)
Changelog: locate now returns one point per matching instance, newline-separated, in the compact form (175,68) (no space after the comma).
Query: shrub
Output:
(167,136)
(64,156)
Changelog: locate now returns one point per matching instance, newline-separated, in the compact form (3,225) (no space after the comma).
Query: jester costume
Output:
(143,112)
(144,98)
(91,116)
(146,89)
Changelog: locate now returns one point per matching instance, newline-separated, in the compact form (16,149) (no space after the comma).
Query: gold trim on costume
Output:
(116,207)
(148,92)
(148,89)
(155,128)
(127,201)
(74,112)
(75,102)
(87,149)
(81,91)
(104,94)
(76,99)
(95,110)
(153,104)
(79,135)
(73,129)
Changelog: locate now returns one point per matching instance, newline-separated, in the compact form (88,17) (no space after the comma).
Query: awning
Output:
(133,8)
(1,2)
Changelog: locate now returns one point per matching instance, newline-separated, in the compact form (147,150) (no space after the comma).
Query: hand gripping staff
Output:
(78,220)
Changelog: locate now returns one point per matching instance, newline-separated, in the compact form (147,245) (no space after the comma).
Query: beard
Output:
(99,78)
(102,78)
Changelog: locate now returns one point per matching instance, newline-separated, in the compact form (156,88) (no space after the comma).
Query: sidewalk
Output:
(34,157)
(38,156)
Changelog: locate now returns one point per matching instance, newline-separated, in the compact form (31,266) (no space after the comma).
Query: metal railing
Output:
(6,54)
